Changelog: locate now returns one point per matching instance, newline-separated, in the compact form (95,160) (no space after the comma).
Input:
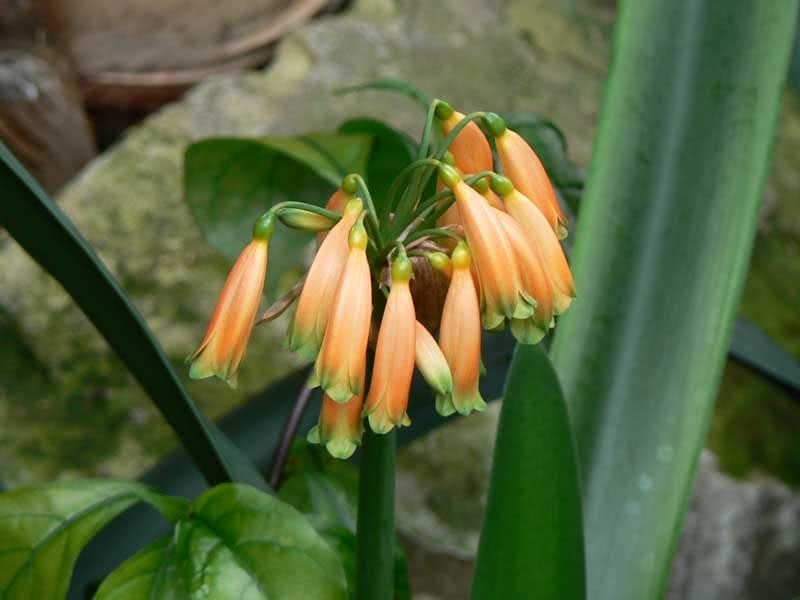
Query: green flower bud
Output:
(502,185)
(495,124)
(305,220)
(443,110)
(448,175)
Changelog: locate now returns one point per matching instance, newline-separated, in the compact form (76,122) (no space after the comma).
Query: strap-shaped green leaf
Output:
(44,528)
(45,233)
(667,223)
(237,544)
(532,538)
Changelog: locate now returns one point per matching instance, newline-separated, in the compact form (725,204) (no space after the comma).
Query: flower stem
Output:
(370,205)
(375,529)
(288,434)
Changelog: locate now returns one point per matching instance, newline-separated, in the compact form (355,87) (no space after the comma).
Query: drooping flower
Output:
(460,339)
(500,282)
(534,280)
(431,361)
(322,281)
(340,427)
(470,147)
(543,240)
(394,355)
(341,363)
(225,341)
(523,167)
(337,203)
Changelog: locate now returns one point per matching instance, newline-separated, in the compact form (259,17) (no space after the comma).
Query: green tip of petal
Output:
(350,183)
(443,110)
(493,321)
(313,435)
(406,420)
(340,448)
(495,124)
(465,404)
(338,392)
(200,370)
(379,422)
(527,331)
(444,405)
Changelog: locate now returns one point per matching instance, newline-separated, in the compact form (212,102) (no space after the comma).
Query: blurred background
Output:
(99,101)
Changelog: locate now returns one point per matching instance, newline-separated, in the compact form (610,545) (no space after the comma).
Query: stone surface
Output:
(741,539)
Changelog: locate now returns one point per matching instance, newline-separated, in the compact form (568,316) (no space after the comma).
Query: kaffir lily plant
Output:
(494,237)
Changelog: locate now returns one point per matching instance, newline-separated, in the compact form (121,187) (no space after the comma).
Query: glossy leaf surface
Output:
(44,528)
(237,544)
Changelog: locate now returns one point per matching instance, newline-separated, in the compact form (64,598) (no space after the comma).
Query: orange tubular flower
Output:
(525,170)
(535,281)
(500,282)
(394,355)
(460,339)
(470,147)
(225,342)
(339,426)
(341,364)
(543,241)
(336,203)
(322,281)
(431,361)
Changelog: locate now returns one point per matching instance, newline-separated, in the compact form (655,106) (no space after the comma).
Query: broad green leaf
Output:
(391,84)
(44,528)
(325,490)
(45,233)
(236,544)
(229,182)
(532,538)
(392,151)
(668,219)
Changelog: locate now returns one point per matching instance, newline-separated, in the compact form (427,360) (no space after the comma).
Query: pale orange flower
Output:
(339,427)
(534,280)
(523,167)
(460,339)
(394,355)
(470,147)
(225,342)
(500,283)
(322,281)
(336,203)
(544,242)
(431,361)
(341,363)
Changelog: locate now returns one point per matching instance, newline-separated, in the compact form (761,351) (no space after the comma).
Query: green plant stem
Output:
(375,528)
(312,208)
(433,233)
(426,131)
(373,215)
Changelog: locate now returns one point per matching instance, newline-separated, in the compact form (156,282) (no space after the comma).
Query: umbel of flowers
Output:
(495,238)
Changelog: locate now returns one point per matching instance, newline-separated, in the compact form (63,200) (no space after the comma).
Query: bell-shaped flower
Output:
(341,363)
(523,167)
(431,362)
(470,147)
(534,280)
(322,281)
(387,399)
(225,341)
(543,240)
(501,287)
(339,427)
(460,339)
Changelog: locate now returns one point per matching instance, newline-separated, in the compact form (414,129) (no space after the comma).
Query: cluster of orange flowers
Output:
(496,239)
